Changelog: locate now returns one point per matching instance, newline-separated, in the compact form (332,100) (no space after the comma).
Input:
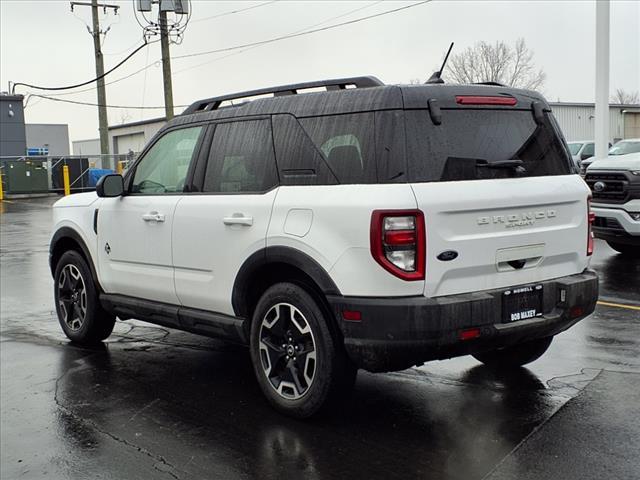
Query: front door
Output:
(134,230)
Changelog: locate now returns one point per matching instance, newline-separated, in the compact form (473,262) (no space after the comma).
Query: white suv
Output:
(365,226)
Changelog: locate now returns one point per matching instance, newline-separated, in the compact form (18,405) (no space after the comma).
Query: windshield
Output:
(475,144)
(574,148)
(624,147)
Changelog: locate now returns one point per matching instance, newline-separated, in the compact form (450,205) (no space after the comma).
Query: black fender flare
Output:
(279,254)
(69,233)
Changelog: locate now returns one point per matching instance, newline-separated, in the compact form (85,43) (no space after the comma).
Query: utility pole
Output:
(103,121)
(602,79)
(166,65)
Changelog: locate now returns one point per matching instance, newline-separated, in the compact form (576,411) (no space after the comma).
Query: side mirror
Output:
(111,185)
(584,156)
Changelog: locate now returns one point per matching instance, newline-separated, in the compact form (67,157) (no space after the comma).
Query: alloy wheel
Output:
(287,351)
(72,297)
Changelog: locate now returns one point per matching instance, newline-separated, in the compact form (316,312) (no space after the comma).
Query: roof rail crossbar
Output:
(283,90)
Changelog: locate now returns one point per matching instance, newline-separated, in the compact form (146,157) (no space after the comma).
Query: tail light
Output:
(590,219)
(484,100)
(398,242)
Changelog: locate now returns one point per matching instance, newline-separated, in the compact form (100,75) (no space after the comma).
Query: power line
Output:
(69,87)
(254,44)
(89,104)
(308,32)
(233,11)
(297,31)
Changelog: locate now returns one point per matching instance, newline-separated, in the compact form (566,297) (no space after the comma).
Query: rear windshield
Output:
(482,144)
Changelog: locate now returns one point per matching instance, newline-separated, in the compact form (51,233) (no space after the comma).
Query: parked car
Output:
(581,150)
(366,226)
(623,147)
(615,183)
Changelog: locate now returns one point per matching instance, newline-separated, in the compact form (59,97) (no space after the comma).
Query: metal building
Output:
(12,132)
(133,136)
(577,120)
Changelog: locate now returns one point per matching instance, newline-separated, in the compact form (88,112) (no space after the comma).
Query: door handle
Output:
(238,219)
(153,217)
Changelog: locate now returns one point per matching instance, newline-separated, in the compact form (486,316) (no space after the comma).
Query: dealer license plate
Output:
(521,303)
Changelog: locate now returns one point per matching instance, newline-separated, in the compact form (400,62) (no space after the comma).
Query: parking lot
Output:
(156,403)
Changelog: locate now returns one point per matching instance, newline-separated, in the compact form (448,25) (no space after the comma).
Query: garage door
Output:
(132,141)
(632,124)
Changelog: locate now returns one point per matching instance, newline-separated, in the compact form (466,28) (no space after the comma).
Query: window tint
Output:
(299,162)
(241,158)
(163,169)
(574,148)
(589,149)
(347,143)
(468,141)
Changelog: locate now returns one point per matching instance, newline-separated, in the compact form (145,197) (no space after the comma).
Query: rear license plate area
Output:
(521,303)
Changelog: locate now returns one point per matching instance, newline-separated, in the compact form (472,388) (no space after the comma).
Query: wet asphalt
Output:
(153,403)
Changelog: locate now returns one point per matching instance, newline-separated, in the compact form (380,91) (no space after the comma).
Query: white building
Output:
(86,147)
(577,120)
(133,136)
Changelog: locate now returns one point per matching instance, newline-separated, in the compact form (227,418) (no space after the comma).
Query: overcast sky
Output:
(44,43)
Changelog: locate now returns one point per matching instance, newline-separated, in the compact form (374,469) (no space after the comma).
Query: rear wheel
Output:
(627,250)
(516,355)
(81,316)
(300,366)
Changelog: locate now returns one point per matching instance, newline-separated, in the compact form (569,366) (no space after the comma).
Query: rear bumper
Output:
(397,333)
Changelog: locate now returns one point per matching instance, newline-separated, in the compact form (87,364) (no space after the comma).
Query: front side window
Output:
(163,169)
(589,150)
(241,158)
(574,148)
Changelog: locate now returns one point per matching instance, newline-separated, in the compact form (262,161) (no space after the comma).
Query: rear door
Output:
(496,188)
(134,231)
(218,228)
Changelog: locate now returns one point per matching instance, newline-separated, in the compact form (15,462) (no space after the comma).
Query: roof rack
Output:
(335,84)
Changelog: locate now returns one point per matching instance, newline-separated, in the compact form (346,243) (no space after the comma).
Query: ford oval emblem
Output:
(447,255)
(599,186)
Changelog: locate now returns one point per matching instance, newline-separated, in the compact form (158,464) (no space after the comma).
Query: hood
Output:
(631,161)
(77,200)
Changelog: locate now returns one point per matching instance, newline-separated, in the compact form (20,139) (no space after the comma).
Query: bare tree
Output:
(626,98)
(500,63)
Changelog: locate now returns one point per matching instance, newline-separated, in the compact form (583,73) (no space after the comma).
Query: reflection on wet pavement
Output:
(155,403)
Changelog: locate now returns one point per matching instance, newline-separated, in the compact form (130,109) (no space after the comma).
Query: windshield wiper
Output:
(516,164)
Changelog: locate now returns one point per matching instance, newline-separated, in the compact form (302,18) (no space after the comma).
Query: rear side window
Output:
(468,143)
(347,144)
(241,158)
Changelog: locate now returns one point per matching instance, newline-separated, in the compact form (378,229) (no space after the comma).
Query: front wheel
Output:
(81,316)
(515,356)
(300,366)
(627,250)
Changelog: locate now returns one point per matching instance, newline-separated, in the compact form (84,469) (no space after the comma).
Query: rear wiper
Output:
(514,163)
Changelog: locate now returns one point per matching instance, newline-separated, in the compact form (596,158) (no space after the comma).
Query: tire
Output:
(632,251)
(515,356)
(300,366)
(80,314)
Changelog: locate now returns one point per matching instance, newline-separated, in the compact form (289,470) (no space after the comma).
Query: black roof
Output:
(369,94)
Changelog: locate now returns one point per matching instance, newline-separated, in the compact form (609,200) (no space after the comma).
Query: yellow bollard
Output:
(120,167)
(1,189)
(65,180)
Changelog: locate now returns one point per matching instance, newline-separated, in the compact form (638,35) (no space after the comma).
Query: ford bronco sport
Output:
(362,226)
